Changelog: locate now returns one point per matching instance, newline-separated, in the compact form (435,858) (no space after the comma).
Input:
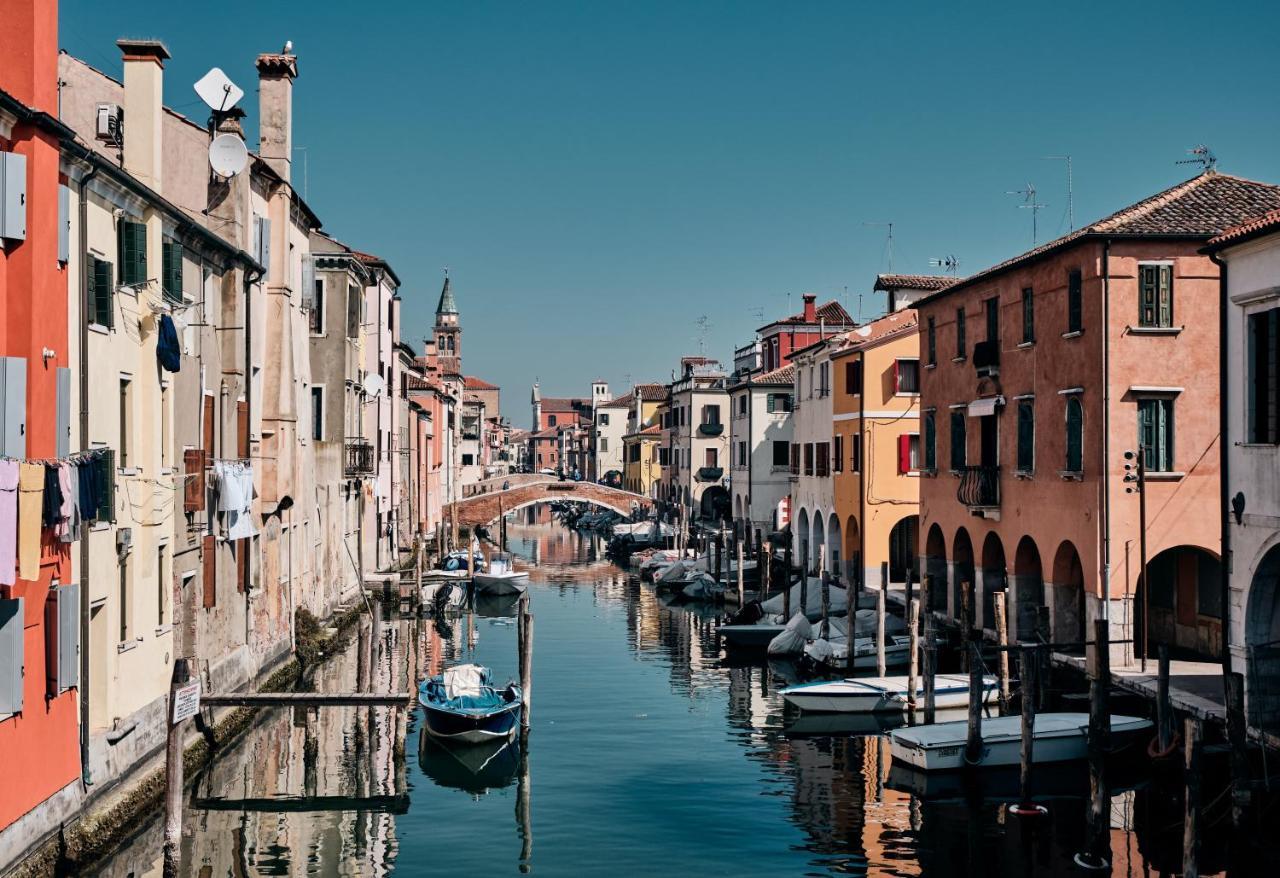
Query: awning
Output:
(980,408)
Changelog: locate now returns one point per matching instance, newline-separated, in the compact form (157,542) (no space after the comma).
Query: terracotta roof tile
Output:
(785,375)
(651,392)
(891,282)
(474,383)
(1263,224)
(563,404)
(832,313)
(878,330)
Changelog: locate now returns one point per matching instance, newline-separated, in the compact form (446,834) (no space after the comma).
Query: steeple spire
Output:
(447,304)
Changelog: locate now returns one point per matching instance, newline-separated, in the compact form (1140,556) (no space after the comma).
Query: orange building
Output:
(1038,375)
(876,448)
(39,679)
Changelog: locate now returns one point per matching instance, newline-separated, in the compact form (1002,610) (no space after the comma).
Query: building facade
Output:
(760,443)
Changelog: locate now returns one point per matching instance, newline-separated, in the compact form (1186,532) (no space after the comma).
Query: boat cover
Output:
(463,688)
(793,638)
(839,601)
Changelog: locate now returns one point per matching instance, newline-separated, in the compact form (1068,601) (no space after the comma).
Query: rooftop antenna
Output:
(888,224)
(1029,201)
(1071,213)
(704,324)
(948,264)
(1200,155)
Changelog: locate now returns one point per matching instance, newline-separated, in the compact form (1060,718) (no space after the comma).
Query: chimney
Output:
(810,310)
(29,62)
(276,74)
(143,108)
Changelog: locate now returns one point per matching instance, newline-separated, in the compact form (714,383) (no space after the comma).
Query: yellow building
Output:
(876,446)
(641,446)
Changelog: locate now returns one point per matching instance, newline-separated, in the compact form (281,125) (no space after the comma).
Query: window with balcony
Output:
(1026,436)
(1075,301)
(1155,295)
(958,441)
(1155,433)
(907,376)
(1264,377)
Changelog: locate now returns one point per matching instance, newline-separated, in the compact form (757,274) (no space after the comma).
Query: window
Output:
(603,418)
(991,307)
(824,379)
(853,377)
(907,376)
(711,414)
(1028,316)
(808,458)
(855,452)
(1264,377)
(908,453)
(354,306)
(131,241)
(1026,436)
(551,420)
(101,293)
(604,443)
(1075,435)
(1075,296)
(960,340)
(822,455)
(930,442)
(837,453)
(781,453)
(316,316)
(1155,295)
(795,459)
(1155,433)
(317,413)
(742,405)
(712,458)
(742,454)
(162,586)
(933,342)
(171,277)
(126,400)
(126,611)
(957,440)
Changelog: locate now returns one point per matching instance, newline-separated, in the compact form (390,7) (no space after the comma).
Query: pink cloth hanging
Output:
(8,522)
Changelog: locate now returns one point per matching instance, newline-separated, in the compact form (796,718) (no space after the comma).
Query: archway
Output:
(852,552)
(835,551)
(994,577)
(1066,598)
(819,539)
(800,540)
(961,572)
(1027,591)
(715,504)
(1185,600)
(1262,639)
(903,540)
(935,567)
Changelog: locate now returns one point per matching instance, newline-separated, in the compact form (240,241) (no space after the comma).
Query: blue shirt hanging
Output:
(168,351)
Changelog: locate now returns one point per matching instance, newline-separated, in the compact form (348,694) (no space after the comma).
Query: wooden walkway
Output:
(307,699)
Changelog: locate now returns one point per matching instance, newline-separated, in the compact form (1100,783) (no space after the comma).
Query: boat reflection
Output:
(475,769)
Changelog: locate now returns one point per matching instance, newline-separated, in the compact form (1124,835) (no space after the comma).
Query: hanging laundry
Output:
(84,480)
(30,500)
(51,507)
(8,522)
(168,348)
(69,524)
(235,497)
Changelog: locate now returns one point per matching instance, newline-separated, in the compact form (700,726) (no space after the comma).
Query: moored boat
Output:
(881,694)
(461,705)
(501,578)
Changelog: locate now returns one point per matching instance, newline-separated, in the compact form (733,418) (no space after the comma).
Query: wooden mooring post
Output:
(825,594)
(1164,709)
(786,585)
(913,665)
(741,588)
(525,642)
(930,652)
(966,622)
(881,609)
(973,744)
(1027,755)
(173,768)
(1098,854)
(1238,737)
(1002,639)
(1191,815)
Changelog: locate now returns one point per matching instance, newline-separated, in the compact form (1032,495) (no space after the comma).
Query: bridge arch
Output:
(483,509)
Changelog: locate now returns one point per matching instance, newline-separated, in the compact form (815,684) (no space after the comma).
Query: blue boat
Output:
(462,706)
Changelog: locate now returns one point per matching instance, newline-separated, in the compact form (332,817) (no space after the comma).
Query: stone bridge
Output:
(484,508)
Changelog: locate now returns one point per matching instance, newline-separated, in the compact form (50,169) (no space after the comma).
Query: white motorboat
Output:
(834,653)
(758,635)
(501,578)
(882,694)
(1059,737)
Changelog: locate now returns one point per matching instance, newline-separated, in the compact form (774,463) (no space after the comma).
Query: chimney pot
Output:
(143,50)
(810,309)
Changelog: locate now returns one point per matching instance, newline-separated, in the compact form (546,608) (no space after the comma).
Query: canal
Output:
(651,753)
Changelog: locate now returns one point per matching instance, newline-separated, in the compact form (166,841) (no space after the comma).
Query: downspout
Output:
(1106,431)
(751,452)
(85,774)
(1224,480)
(251,277)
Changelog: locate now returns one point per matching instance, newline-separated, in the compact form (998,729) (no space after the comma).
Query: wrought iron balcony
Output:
(711,429)
(709,474)
(359,460)
(979,487)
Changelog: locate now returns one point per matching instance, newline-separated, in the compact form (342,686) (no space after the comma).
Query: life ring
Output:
(1154,744)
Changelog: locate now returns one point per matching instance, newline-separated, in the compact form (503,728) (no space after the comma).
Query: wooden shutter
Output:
(1028,315)
(242,564)
(101,293)
(193,486)
(107,468)
(171,253)
(771,402)
(1026,436)
(957,440)
(132,245)
(209,574)
(11,644)
(242,429)
(1164,294)
(51,643)
(68,637)
(1146,295)
(904,453)
(897,376)
(837,453)
(960,339)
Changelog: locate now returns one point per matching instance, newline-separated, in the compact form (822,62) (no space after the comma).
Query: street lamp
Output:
(1135,477)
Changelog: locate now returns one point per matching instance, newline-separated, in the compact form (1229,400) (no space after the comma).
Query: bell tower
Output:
(448,334)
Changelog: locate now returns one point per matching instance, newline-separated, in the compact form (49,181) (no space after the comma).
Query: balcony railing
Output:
(359,458)
(710,474)
(979,487)
(711,429)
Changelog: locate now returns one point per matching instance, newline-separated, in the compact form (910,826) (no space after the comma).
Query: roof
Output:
(447,305)
(651,392)
(561,404)
(376,262)
(871,334)
(1202,207)
(474,383)
(1263,224)
(831,313)
(890,282)
(649,431)
(785,375)
(625,400)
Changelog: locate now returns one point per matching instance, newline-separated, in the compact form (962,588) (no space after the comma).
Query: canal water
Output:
(651,753)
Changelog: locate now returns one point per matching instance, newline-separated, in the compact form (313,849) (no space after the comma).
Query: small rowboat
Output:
(461,705)
(501,578)
(881,694)
(1059,737)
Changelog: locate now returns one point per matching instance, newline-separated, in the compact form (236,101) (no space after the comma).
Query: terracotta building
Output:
(1037,376)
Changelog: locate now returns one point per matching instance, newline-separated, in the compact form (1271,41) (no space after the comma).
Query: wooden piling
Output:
(173,778)
(1164,710)
(910,587)
(741,589)
(310,751)
(930,653)
(913,667)
(1029,671)
(1237,736)
(1002,639)
(1191,816)
(526,662)
(719,544)
(966,624)
(767,573)
(825,586)
(973,745)
(880,612)
(786,579)
(1099,745)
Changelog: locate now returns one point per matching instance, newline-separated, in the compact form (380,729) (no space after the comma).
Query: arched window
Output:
(957,440)
(1075,435)
(930,442)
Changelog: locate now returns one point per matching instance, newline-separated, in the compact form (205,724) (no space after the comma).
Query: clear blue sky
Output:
(598,175)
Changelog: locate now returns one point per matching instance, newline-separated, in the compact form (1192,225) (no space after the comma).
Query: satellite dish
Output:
(373,385)
(219,92)
(227,155)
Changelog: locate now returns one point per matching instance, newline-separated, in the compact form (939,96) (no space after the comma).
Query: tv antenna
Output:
(704,325)
(948,264)
(1200,155)
(1071,214)
(889,225)
(1029,201)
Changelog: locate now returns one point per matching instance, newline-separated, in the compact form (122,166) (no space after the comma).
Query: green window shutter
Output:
(107,506)
(133,252)
(171,254)
(1026,437)
(102,293)
(772,402)
(1147,431)
(1165,292)
(1075,436)
(930,442)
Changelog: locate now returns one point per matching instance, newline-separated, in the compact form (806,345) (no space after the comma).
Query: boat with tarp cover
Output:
(461,705)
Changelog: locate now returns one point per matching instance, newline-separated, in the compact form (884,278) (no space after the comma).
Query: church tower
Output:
(448,334)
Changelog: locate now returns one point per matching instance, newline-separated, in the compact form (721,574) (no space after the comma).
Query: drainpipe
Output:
(1224,479)
(751,451)
(251,277)
(85,774)
(1106,431)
